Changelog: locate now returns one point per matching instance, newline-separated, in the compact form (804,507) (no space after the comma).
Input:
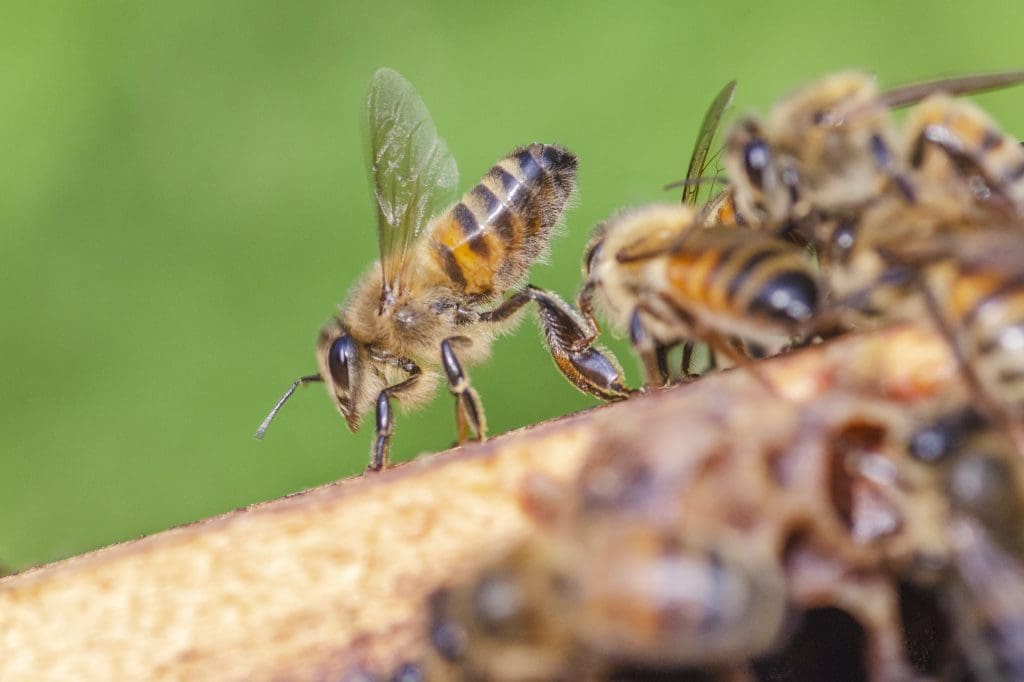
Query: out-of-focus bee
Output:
(621,592)
(982,482)
(966,280)
(654,272)
(964,165)
(976,292)
(833,147)
(674,275)
(433,300)
(692,539)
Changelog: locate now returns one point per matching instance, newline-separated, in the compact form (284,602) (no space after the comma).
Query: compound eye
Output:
(342,354)
(755,161)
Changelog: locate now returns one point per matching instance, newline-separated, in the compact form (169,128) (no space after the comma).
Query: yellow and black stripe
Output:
(485,243)
(745,274)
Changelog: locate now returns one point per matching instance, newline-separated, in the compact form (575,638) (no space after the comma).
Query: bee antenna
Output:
(690,182)
(287,394)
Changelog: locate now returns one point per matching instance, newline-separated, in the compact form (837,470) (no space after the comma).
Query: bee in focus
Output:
(433,301)
(655,273)
(833,147)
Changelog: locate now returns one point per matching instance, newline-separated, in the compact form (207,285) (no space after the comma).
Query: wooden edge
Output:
(321,582)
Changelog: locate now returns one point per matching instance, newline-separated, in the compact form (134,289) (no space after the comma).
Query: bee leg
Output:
(585,302)
(469,414)
(720,344)
(885,161)
(989,405)
(570,337)
(385,426)
(966,163)
(687,361)
(652,354)
(508,307)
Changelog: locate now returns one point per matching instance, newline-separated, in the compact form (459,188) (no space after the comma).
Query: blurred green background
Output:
(183,202)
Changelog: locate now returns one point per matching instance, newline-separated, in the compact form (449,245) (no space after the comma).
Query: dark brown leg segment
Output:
(469,415)
(570,338)
(652,354)
(382,443)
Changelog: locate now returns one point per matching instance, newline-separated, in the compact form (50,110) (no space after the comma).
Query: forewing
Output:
(961,85)
(413,173)
(701,158)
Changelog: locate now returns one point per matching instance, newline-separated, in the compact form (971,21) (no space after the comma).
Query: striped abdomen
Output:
(488,240)
(988,312)
(986,158)
(744,275)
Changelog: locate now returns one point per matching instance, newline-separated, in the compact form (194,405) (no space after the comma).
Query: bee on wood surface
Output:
(833,146)
(622,592)
(964,279)
(654,272)
(972,284)
(694,539)
(675,275)
(433,301)
(981,478)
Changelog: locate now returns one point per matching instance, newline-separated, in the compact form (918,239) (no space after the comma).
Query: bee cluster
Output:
(756,535)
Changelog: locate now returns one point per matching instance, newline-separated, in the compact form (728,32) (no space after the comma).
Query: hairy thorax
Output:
(413,321)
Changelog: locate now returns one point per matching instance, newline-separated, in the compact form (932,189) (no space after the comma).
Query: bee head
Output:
(340,357)
(761,192)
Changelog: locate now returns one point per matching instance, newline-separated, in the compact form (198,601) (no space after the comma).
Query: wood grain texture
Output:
(312,585)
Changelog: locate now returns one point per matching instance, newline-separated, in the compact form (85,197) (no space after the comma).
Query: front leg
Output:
(469,414)
(385,426)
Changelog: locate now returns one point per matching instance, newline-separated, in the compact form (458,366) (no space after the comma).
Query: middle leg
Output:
(469,414)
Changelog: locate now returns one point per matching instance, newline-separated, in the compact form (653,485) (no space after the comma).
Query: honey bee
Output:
(674,275)
(981,479)
(973,286)
(692,539)
(433,301)
(652,598)
(833,147)
(973,168)
(654,272)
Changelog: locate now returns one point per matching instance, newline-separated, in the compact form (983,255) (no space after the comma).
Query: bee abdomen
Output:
(790,297)
(485,243)
(748,276)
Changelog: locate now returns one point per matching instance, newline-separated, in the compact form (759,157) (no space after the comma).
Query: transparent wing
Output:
(701,158)
(961,85)
(998,251)
(414,174)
